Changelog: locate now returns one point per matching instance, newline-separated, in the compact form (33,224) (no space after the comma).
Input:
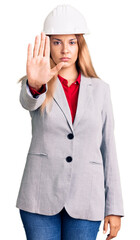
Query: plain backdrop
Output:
(114,45)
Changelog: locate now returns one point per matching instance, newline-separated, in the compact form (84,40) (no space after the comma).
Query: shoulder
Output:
(100,83)
(100,86)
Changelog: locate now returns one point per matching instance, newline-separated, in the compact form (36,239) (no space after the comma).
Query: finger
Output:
(105,227)
(36,44)
(29,52)
(112,234)
(57,68)
(41,48)
(108,237)
(47,47)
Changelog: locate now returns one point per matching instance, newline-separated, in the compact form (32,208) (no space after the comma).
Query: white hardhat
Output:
(65,19)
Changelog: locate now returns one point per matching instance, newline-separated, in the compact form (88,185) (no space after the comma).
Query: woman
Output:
(71,178)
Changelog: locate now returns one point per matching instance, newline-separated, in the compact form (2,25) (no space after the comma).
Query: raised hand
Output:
(38,66)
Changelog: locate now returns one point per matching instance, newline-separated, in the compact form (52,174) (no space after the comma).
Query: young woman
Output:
(71,178)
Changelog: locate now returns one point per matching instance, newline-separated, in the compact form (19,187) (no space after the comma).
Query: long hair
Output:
(83,64)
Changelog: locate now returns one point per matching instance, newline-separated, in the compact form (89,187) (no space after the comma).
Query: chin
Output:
(66,65)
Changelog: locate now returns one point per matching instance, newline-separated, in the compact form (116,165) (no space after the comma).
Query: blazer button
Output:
(69,159)
(70,136)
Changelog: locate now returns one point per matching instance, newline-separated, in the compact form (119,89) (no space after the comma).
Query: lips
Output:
(64,59)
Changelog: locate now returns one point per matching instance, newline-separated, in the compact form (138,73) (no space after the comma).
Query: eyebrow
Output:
(60,39)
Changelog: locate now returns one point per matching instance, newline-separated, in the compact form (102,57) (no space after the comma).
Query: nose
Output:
(65,48)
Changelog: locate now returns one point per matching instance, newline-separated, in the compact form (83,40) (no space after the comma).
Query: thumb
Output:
(57,68)
(105,227)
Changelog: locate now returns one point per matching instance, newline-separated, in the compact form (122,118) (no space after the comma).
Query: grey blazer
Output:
(72,165)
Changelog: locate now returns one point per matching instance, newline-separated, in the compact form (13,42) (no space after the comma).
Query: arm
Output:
(113,193)
(26,98)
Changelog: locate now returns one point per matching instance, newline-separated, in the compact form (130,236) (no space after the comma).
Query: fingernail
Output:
(104,231)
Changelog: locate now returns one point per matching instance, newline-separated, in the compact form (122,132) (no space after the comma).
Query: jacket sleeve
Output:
(113,191)
(27,100)
(34,92)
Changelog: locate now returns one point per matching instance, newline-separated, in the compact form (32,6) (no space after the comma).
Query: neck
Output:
(70,74)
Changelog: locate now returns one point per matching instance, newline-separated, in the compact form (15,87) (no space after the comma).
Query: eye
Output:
(72,43)
(56,42)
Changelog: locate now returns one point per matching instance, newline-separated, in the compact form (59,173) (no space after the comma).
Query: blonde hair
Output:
(83,64)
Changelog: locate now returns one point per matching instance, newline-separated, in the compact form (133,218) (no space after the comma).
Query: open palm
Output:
(38,66)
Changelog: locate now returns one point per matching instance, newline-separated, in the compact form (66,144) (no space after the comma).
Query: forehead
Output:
(63,37)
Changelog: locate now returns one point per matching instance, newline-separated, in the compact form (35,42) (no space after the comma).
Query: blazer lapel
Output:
(82,104)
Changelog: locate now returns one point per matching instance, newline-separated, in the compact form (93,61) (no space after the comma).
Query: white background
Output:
(114,45)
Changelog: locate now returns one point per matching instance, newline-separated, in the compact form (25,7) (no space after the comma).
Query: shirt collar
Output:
(64,81)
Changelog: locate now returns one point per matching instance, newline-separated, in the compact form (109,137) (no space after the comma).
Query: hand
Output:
(115,224)
(38,66)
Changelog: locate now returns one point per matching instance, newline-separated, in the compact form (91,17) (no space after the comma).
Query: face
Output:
(64,48)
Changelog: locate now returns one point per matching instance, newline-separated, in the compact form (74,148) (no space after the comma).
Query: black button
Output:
(70,136)
(69,159)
